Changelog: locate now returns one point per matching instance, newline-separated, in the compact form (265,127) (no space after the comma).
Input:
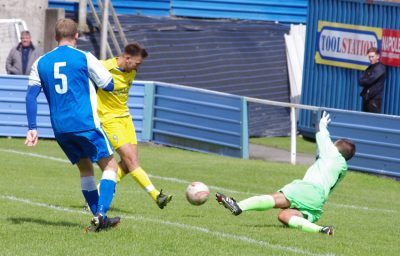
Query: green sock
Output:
(303,224)
(257,203)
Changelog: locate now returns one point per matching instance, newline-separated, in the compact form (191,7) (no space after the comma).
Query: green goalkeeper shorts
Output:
(306,197)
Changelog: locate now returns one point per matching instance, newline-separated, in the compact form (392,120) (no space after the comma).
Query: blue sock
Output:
(107,190)
(89,191)
(92,198)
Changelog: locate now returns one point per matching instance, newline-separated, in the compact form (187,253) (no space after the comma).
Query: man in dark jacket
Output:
(22,56)
(373,80)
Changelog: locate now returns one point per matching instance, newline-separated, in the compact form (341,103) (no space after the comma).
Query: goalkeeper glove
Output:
(324,121)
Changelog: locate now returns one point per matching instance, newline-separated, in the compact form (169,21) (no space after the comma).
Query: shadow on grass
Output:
(193,216)
(264,225)
(42,222)
(82,208)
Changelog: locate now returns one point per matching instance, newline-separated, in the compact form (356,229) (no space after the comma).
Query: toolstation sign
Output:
(346,45)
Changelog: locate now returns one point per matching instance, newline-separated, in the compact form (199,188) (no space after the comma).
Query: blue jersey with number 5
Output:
(67,75)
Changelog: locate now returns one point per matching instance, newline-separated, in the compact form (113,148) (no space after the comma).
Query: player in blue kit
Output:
(68,78)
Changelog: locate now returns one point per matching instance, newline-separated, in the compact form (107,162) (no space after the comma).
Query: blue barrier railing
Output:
(168,114)
(13,120)
(377,138)
(214,122)
(289,11)
(199,120)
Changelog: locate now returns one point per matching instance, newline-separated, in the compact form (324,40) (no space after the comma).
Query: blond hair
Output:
(66,29)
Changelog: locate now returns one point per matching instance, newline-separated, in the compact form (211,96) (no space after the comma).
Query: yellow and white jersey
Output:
(114,104)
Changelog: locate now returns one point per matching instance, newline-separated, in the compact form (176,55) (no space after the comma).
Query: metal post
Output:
(293,120)
(293,135)
(98,23)
(82,25)
(104,26)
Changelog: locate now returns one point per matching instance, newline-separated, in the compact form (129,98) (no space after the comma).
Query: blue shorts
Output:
(92,144)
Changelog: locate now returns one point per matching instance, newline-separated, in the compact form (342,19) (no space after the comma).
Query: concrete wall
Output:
(52,15)
(32,12)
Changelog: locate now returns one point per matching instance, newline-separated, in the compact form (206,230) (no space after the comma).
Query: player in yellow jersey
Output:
(117,122)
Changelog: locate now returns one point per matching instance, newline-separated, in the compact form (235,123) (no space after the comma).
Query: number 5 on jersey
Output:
(63,88)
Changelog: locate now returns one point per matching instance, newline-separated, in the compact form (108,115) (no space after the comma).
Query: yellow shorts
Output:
(120,131)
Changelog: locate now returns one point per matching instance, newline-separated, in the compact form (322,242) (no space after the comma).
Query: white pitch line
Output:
(34,155)
(362,208)
(244,239)
(175,180)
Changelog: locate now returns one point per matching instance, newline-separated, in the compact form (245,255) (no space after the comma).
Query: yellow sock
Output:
(120,174)
(140,176)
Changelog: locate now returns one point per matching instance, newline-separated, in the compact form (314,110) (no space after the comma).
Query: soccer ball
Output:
(197,193)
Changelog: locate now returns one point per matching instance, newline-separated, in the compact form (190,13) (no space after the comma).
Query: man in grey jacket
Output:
(22,56)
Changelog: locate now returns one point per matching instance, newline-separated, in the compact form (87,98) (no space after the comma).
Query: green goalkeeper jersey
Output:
(330,167)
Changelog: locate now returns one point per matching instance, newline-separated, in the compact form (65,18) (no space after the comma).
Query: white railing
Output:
(293,120)
(292,106)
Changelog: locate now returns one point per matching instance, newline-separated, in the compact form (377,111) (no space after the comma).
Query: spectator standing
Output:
(373,81)
(21,57)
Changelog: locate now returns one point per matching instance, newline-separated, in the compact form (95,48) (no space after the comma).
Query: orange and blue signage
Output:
(345,45)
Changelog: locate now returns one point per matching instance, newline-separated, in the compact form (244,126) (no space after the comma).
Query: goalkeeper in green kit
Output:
(302,200)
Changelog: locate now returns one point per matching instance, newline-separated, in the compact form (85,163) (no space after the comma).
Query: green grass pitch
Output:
(41,209)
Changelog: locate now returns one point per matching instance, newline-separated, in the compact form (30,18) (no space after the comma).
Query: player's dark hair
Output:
(135,49)
(346,148)
(66,29)
(373,49)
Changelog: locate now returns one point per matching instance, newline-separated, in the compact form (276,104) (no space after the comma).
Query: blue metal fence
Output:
(290,11)
(13,120)
(378,146)
(168,114)
(136,104)
(200,120)
(133,7)
(145,8)
(68,6)
(207,121)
